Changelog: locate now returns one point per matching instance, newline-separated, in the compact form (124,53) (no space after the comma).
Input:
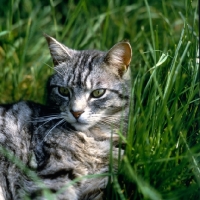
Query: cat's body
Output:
(88,97)
(66,154)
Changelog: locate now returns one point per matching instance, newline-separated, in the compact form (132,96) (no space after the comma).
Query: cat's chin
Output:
(80,126)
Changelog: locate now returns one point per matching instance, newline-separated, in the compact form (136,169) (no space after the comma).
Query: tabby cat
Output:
(70,136)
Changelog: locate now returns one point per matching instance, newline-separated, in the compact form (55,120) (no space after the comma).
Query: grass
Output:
(162,159)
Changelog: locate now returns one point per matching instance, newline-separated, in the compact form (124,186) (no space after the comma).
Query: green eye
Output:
(64,91)
(98,93)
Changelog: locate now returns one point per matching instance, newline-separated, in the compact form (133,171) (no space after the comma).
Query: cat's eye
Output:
(64,91)
(98,93)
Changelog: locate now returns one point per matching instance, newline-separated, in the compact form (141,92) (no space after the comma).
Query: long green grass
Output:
(162,159)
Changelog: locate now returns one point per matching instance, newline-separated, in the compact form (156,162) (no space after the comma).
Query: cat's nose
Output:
(76,114)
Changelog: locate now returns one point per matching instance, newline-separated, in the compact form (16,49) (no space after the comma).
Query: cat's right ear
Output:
(59,52)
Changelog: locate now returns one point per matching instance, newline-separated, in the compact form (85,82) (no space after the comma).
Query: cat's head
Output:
(90,87)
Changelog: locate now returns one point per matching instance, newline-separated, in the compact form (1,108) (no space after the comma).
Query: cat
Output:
(69,137)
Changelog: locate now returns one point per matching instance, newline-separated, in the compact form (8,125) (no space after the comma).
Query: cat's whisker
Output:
(42,119)
(43,124)
(47,116)
(58,123)
(46,119)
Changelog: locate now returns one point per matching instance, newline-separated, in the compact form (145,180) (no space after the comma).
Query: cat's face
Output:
(90,87)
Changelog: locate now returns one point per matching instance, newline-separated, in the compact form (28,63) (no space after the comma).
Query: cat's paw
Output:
(32,163)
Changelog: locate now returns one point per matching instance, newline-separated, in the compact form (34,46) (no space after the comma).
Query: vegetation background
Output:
(162,159)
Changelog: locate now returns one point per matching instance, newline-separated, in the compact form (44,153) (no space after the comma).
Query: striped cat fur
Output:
(70,136)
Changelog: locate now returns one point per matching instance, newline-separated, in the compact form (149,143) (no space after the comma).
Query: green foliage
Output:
(162,153)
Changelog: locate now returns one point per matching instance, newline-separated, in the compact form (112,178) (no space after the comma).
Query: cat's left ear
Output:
(59,52)
(119,56)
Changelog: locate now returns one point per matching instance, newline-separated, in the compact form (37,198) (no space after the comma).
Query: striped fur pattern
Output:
(15,137)
(84,73)
(69,138)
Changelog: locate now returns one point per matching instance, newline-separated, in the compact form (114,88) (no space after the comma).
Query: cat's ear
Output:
(59,52)
(119,56)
